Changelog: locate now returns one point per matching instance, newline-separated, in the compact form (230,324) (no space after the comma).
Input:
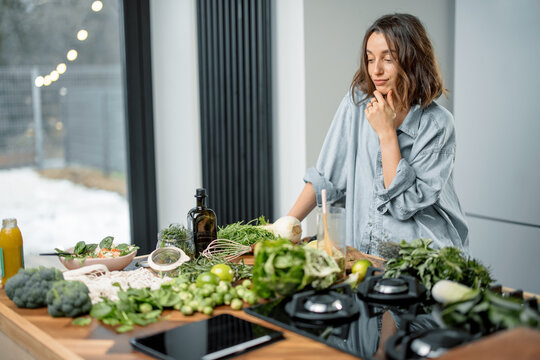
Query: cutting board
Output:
(519,343)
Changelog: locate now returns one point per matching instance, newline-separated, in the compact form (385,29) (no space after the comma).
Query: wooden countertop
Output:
(33,334)
(44,337)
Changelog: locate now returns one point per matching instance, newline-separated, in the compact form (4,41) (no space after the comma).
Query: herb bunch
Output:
(388,249)
(173,232)
(419,260)
(246,234)
(191,269)
(177,235)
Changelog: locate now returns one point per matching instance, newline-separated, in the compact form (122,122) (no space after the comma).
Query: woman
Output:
(391,148)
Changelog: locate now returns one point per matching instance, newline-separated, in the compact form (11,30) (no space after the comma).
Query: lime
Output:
(223,272)
(361,267)
(312,244)
(207,278)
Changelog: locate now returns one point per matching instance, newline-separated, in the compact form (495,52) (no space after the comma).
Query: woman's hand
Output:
(381,114)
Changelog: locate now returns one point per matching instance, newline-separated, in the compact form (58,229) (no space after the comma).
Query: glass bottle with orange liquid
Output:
(11,249)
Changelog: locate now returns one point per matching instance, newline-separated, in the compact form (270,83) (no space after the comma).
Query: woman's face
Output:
(382,67)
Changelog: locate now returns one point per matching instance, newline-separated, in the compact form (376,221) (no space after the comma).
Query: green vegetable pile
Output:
(145,306)
(282,268)
(192,269)
(246,234)
(68,298)
(176,235)
(199,289)
(39,287)
(134,306)
(419,260)
(29,287)
(486,312)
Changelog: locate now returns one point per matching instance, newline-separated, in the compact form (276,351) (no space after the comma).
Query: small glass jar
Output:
(335,244)
(167,238)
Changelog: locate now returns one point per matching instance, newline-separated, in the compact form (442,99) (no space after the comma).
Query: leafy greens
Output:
(192,269)
(176,235)
(246,234)
(282,268)
(485,312)
(82,251)
(419,260)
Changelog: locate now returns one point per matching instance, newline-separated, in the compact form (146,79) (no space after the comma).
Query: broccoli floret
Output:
(29,287)
(68,298)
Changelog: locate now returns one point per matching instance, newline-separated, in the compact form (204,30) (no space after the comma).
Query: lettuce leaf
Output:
(282,268)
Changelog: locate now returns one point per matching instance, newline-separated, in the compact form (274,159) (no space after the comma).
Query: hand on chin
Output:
(383,89)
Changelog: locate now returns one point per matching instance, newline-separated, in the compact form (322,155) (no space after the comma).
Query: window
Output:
(65,159)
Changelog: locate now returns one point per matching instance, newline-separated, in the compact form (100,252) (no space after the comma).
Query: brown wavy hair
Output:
(419,79)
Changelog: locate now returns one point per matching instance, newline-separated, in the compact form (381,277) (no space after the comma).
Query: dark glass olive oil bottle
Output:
(202,224)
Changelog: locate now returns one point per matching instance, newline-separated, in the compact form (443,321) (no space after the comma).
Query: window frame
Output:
(141,179)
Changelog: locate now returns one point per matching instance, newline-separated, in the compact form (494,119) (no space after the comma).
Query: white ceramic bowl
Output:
(113,264)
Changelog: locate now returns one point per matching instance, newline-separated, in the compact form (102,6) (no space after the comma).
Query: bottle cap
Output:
(201,192)
(10,222)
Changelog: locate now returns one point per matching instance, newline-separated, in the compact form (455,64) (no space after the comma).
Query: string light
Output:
(54,75)
(97,6)
(82,35)
(72,55)
(61,68)
(39,81)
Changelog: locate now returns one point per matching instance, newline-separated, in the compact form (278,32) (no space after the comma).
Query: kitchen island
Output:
(33,334)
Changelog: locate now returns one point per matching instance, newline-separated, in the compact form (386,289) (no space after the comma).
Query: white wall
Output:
(176,108)
(289,103)
(496,110)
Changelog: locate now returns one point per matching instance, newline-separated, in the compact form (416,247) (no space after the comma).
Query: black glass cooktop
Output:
(356,323)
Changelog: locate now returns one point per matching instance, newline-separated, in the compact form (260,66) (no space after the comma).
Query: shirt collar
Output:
(410,125)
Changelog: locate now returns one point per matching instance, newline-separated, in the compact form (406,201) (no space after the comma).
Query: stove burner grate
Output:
(328,305)
(429,343)
(323,303)
(376,288)
(391,286)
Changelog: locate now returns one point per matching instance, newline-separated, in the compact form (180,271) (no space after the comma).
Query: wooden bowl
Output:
(113,264)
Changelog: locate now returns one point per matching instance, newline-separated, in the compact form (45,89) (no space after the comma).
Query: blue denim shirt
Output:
(421,201)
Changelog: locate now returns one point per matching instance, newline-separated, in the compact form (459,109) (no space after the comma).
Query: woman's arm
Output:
(305,202)
(391,155)
(382,117)
(421,177)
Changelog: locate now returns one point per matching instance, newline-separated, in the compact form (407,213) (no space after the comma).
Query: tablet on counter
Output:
(218,337)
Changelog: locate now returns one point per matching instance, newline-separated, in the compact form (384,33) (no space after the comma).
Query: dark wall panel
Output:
(235,98)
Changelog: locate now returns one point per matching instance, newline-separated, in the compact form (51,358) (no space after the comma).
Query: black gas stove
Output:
(384,318)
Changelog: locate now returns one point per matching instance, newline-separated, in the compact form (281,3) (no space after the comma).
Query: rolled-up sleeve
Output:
(319,182)
(404,179)
(330,172)
(418,181)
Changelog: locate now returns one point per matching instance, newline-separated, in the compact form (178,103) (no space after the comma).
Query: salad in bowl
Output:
(115,257)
